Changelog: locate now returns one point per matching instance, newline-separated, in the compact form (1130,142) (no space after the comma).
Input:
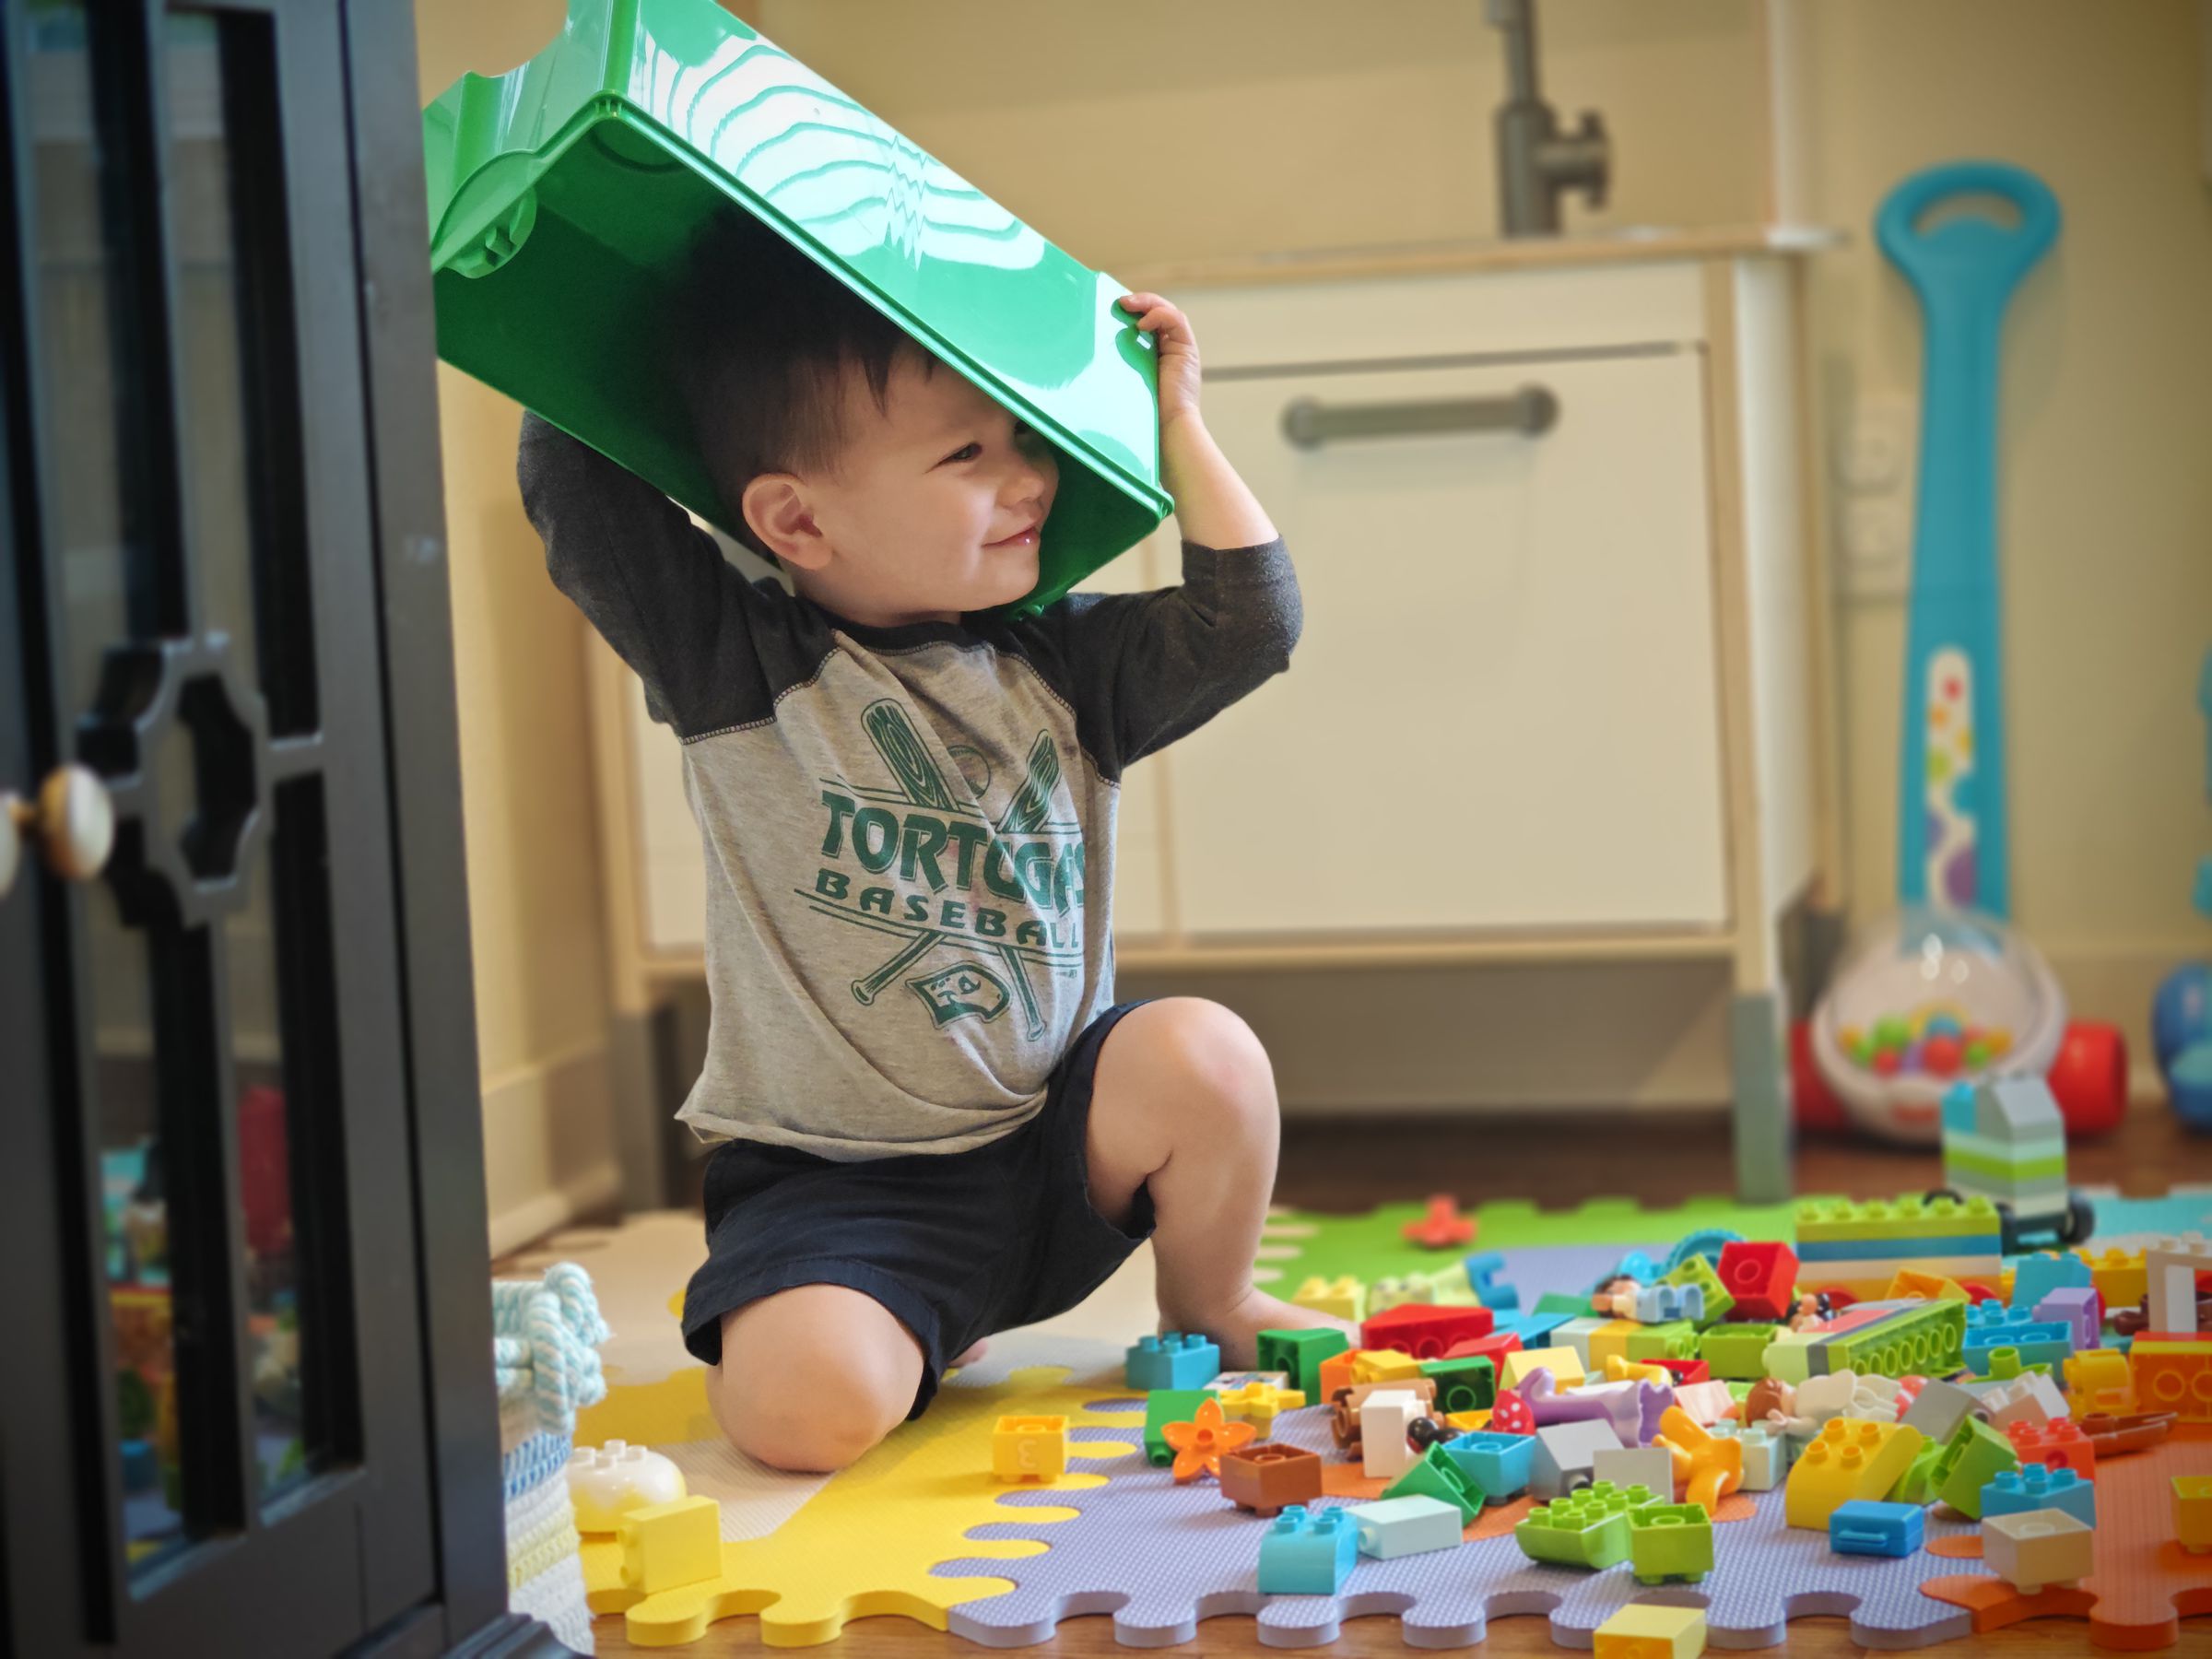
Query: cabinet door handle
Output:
(1308,422)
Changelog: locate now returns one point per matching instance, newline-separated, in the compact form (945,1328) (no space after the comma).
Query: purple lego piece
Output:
(2077,1307)
(1160,1557)
(1634,1409)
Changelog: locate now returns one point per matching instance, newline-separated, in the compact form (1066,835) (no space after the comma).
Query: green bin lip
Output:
(452,237)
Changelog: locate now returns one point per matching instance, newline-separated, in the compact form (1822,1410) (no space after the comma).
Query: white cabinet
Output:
(1503,711)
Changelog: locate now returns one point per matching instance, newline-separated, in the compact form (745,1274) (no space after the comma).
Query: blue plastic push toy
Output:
(1944,991)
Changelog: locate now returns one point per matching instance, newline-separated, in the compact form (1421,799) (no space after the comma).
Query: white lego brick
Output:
(1652,1467)
(1385,1427)
(1940,1407)
(1566,1457)
(2036,1548)
(2173,1265)
(1404,1526)
(2030,1398)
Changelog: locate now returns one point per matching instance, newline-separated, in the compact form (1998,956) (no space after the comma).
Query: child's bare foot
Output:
(1237,1332)
(971,1354)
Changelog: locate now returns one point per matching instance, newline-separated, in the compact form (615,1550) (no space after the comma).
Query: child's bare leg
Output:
(1183,1101)
(812,1377)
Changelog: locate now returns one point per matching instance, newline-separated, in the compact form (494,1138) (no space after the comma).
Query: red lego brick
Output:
(1761,1277)
(1424,1330)
(1686,1372)
(1496,1345)
(2057,1444)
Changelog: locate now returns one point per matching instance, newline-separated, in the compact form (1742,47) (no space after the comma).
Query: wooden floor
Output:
(1558,1160)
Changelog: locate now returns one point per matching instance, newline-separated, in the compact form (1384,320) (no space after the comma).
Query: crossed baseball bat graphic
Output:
(903,751)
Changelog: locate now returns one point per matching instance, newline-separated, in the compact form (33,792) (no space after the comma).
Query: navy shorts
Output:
(956,1245)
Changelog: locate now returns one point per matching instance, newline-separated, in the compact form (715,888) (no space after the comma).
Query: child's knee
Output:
(803,1389)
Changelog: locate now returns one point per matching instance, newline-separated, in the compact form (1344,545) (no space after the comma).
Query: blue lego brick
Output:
(1497,1465)
(1173,1360)
(2035,1276)
(1659,1304)
(1481,1269)
(2011,1492)
(1307,1552)
(1534,1329)
(1863,1526)
(1991,1326)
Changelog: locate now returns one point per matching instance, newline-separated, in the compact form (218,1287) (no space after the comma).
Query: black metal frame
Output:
(397,1545)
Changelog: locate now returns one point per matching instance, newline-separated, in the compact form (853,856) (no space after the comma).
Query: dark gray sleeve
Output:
(1162,663)
(652,581)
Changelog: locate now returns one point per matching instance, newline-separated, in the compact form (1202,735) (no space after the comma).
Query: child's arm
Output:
(1169,661)
(653,583)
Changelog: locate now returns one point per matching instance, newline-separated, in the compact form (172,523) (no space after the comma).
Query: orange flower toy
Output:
(1198,1444)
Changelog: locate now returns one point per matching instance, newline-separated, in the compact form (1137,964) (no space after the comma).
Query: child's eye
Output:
(1020,431)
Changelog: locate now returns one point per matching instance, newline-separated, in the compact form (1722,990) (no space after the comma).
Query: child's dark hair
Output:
(759,353)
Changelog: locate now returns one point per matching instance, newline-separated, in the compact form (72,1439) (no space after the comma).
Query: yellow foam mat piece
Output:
(865,1543)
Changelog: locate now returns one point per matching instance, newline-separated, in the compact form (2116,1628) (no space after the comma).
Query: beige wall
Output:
(1151,131)
(534,875)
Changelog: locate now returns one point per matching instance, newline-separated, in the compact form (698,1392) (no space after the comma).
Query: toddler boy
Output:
(934,1121)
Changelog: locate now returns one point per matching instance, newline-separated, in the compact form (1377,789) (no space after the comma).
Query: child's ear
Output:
(776,508)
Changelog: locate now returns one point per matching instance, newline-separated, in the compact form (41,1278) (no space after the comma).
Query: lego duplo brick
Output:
(1301,1353)
(1269,1477)
(1971,1459)
(2037,1548)
(2101,1380)
(1847,1459)
(1861,1246)
(1424,1332)
(1589,1528)
(2171,1267)
(1921,1339)
(1669,1541)
(1737,1352)
(1403,1526)
(1171,1360)
(1436,1475)
(1991,1326)
(1565,1454)
(1030,1448)
(1497,1465)
(2038,1487)
(1649,1466)
(1574,1334)
(1761,1275)
(2036,1276)
(1939,1407)
(1307,1552)
(2121,1276)
(1867,1526)
(1564,1364)
(1465,1384)
(2056,1445)
(1642,1631)
(2080,1309)
(1717,1303)
(1165,1405)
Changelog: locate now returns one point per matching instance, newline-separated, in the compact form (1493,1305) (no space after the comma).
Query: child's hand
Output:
(1178,355)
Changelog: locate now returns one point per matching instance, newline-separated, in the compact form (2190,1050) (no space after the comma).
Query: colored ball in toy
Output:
(1892,1031)
(1939,1056)
(1943,1025)
(2181,1015)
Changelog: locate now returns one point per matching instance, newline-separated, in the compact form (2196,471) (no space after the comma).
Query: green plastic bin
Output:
(564,195)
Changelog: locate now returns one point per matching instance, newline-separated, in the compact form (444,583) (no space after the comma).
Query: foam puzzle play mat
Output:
(1655,1430)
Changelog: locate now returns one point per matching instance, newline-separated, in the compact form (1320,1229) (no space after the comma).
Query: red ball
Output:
(1886,1061)
(1940,1055)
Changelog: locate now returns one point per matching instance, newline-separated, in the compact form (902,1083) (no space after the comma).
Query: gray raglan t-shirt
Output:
(909,831)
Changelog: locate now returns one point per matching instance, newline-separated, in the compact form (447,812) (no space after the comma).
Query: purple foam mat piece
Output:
(1160,1557)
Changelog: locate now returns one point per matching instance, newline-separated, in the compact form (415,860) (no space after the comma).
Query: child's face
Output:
(914,523)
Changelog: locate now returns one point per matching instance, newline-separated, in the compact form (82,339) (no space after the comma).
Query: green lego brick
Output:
(1589,1528)
(1825,1219)
(1560,1301)
(1790,1356)
(1917,1484)
(1927,1340)
(1736,1352)
(1974,1456)
(1676,1339)
(1164,1406)
(1696,1270)
(1468,1384)
(1437,1477)
(1670,1540)
(1956,1162)
(1301,1353)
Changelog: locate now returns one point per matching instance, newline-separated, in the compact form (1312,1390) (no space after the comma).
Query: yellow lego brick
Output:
(667,1546)
(1609,1341)
(1927,1287)
(1383,1365)
(2120,1276)
(1564,1363)
(1641,1630)
(1467,1422)
(1618,1370)
(2192,1512)
(1259,1404)
(2100,1380)
(1849,1459)
(1343,1296)
(1031,1448)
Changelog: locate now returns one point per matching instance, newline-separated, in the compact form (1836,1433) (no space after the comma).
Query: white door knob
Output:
(73,822)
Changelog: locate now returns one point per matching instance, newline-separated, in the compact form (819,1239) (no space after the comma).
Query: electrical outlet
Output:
(1875,463)
(1876,454)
